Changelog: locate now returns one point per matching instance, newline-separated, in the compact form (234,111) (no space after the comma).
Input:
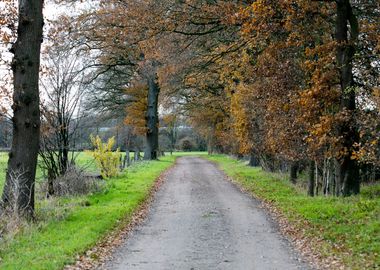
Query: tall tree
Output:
(62,89)
(149,73)
(26,113)
(347,32)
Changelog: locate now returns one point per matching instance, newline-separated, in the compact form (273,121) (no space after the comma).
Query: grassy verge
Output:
(77,223)
(349,227)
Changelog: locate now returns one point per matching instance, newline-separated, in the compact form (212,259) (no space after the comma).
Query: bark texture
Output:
(19,187)
(346,37)
(151,150)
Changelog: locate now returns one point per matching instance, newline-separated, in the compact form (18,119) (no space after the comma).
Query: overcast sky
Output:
(51,12)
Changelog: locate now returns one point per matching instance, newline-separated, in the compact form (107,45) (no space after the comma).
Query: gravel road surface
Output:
(199,220)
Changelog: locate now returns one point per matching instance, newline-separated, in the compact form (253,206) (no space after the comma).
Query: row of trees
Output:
(291,83)
(65,74)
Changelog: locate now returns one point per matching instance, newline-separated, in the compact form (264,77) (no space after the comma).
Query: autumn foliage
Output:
(289,82)
(136,108)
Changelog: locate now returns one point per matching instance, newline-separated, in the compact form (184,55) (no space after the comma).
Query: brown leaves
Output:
(254,76)
(136,109)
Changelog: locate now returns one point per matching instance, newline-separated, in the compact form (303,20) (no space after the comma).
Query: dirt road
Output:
(199,220)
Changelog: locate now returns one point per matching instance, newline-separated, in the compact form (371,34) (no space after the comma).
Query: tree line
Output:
(293,84)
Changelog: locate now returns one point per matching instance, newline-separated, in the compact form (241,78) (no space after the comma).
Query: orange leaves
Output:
(240,115)
(136,109)
(283,85)
(260,76)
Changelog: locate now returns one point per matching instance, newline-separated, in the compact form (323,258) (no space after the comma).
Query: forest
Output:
(90,88)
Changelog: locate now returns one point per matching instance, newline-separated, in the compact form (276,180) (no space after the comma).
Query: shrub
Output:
(76,182)
(186,144)
(107,161)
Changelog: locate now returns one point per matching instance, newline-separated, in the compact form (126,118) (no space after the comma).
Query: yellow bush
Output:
(107,161)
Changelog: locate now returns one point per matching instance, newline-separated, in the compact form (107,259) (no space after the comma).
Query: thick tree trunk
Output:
(293,172)
(151,150)
(349,170)
(311,180)
(26,113)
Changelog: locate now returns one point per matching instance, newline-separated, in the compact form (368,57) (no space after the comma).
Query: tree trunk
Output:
(121,163)
(337,177)
(253,160)
(26,112)
(62,141)
(311,180)
(317,181)
(127,159)
(137,154)
(349,170)
(151,150)
(63,156)
(66,150)
(51,176)
(327,177)
(210,145)
(293,172)
(172,140)
(267,163)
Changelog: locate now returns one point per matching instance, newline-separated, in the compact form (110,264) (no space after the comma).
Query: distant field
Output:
(199,153)
(3,166)
(83,160)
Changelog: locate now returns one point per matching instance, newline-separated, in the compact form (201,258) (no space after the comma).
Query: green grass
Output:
(77,223)
(180,154)
(83,160)
(351,223)
(3,166)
